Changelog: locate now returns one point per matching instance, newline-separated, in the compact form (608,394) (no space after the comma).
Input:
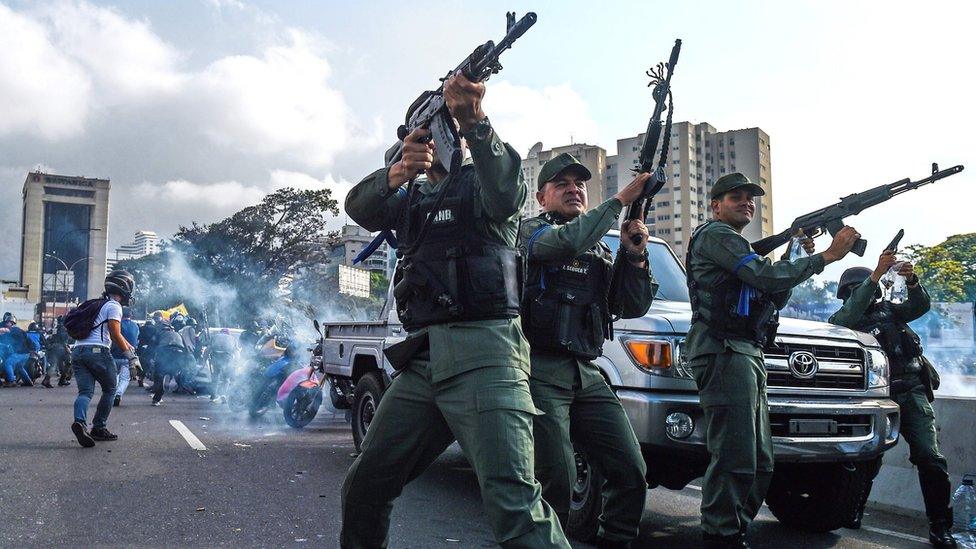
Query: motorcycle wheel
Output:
(263,399)
(301,406)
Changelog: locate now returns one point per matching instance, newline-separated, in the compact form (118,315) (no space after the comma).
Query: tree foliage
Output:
(948,269)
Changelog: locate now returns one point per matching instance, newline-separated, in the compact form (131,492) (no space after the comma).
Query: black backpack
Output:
(80,321)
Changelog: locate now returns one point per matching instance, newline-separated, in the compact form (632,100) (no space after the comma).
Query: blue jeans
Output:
(16,365)
(92,363)
(122,380)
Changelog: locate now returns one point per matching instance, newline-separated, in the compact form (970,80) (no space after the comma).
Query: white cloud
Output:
(69,65)
(224,196)
(123,55)
(42,90)
(555,115)
(279,103)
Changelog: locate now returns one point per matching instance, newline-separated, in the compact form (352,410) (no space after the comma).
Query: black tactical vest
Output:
(448,272)
(564,306)
(722,317)
(900,343)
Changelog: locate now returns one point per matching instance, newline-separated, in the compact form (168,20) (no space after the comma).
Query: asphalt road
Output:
(265,484)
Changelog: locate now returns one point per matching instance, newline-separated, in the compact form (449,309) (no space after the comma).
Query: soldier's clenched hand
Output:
(463,98)
(630,228)
(885,262)
(418,156)
(632,191)
(907,270)
(841,244)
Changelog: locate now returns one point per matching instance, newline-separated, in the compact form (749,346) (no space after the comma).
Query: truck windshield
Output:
(667,271)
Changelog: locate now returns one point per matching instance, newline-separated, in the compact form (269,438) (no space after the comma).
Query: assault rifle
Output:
(430,111)
(645,160)
(832,217)
(661,80)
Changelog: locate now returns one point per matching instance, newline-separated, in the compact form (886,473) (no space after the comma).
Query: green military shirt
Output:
(852,311)
(716,253)
(565,241)
(457,347)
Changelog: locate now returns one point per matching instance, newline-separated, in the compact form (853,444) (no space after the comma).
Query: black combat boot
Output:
(46,382)
(939,530)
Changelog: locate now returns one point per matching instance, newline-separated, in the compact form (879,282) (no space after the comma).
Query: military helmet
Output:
(850,279)
(120,283)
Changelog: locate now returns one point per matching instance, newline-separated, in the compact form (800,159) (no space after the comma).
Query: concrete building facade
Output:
(591,156)
(699,155)
(351,240)
(143,243)
(63,238)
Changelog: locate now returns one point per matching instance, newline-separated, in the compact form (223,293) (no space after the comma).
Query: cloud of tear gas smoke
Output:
(948,335)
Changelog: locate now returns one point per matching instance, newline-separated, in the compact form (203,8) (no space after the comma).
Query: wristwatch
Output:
(636,258)
(480,131)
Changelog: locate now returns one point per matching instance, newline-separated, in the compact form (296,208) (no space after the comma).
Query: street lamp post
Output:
(53,255)
(67,269)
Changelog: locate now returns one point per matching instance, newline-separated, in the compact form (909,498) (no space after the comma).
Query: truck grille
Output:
(838,366)
(816,426)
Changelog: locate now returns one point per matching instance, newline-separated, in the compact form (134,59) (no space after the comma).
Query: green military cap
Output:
(558,164)
(732,181)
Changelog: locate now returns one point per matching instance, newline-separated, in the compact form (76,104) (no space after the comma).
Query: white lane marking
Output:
(881,531)
(188,435)
(909,537)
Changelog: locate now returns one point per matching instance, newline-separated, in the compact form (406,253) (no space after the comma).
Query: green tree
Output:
(257,247)
(948,269)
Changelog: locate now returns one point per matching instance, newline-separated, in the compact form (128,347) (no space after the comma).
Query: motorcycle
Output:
(266,381)
(300,396)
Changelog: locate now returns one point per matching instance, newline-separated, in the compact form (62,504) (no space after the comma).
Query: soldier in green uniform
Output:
(735,298)
(911,376)
(464,367)
(565,318)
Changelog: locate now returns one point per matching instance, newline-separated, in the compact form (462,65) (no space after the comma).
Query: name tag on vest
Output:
(445,216)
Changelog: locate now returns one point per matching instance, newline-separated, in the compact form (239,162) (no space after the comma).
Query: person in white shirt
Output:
(92,361)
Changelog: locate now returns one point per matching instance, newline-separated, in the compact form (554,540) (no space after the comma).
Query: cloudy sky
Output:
(196,108)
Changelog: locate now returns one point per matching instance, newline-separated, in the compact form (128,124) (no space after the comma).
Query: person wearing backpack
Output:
(96,325)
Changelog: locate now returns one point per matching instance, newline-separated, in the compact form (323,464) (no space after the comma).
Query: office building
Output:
(699,154)
(143,243)
(63,239)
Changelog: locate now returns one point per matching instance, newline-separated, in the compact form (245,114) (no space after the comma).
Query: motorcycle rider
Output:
(130,331)
(220,353)
(57,354)
(169,360)
(147,345)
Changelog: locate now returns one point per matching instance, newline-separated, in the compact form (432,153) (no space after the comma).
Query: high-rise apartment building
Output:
(699,155)
(143,243)
(63,239)
(351,240)
(591,156)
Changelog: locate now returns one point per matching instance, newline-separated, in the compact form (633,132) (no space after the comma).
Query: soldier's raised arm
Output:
(498,166)
(731,251)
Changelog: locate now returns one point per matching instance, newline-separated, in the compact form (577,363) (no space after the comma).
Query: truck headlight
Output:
(660,357)
(877,364)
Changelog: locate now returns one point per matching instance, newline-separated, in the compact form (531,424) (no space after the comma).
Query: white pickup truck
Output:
(829,409)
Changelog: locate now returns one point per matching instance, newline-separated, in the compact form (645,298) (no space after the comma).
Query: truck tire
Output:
(366,399)
(819,497)
(587,500)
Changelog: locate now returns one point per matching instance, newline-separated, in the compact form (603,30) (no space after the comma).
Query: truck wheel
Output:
(819,497)
(587,498)
(366,400)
